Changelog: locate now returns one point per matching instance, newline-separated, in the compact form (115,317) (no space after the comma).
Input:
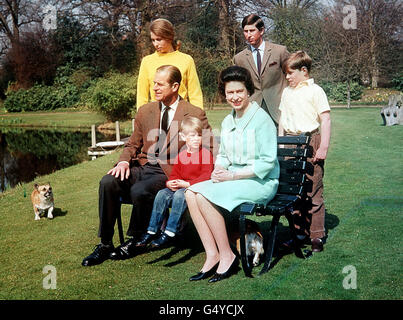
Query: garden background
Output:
(61,77)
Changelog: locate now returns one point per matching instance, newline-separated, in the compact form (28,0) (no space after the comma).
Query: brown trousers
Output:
(309,215)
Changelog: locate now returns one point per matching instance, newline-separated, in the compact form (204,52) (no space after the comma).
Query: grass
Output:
(57,119)
(363,184)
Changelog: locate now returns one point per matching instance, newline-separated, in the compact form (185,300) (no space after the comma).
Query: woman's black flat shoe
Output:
(231,270)
(204,275)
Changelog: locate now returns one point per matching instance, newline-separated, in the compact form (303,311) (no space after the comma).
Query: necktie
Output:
(258,60)
(164,130)
(164,121)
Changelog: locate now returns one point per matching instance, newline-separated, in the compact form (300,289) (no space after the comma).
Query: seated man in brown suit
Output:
(264,61)
(145,164)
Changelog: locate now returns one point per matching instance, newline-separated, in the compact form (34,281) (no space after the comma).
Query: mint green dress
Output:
(251,142)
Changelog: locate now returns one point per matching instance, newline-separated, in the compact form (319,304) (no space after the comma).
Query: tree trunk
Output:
(223,26)
(142,42)
(374,62)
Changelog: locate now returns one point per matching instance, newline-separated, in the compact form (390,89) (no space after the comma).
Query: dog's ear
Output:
(36,186)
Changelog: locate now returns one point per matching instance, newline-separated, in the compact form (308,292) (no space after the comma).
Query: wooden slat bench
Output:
(292,153)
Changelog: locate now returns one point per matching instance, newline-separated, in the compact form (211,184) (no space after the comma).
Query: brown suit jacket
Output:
(270,84)
(142,143)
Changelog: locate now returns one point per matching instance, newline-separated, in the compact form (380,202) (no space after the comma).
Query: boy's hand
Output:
(177,184)
(321,154)
(325,129)
(182,184)
(172,185)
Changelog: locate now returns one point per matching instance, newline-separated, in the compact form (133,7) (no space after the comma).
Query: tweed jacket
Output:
(270,84)
(141,145)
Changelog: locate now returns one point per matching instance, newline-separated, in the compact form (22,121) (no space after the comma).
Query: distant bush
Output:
(68,86)
(114,96)
(398,82)
(337,92)
(39,97)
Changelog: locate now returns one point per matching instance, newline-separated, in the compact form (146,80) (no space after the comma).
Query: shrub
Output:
(114,96)
(39,97)
(398,82)
(337,92)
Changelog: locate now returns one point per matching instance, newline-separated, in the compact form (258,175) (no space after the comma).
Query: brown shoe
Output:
(317,245)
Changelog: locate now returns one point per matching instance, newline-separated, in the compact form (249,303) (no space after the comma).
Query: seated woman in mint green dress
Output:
(246,169)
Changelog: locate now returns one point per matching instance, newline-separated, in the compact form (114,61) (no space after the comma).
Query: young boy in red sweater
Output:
(192,165)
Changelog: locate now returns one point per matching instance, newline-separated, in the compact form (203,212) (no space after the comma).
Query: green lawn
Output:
(56,119)
(363,194)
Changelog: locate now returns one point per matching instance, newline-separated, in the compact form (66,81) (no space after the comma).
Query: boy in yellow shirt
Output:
(304,108)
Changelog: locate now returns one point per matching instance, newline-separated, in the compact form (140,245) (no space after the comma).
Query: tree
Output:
(16,15)
(379,23)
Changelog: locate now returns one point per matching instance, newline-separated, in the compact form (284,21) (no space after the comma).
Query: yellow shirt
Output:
(190,86)
(301,106)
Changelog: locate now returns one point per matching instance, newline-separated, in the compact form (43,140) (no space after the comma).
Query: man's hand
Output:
(122,170)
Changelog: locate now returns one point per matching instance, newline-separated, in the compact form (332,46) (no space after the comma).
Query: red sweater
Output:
(193,167)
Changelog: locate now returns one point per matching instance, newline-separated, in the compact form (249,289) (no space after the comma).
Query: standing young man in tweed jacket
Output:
(264,61)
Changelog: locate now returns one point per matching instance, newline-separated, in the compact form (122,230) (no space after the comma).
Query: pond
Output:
(28,153)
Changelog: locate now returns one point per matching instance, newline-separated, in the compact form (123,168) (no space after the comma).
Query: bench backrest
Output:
(292,153)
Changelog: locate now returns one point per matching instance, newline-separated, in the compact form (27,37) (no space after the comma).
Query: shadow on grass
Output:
(283,235)
(189,240)
(58,212)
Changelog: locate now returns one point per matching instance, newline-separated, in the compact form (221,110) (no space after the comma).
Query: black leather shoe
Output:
(291,244)
(126,250)
(100,254)
(231,270)
(163,241)
(145,239)
(204,275)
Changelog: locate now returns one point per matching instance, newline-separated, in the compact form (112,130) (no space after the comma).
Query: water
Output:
(28,153)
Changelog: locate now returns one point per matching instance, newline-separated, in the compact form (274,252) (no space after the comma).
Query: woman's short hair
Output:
(296,61)
(164,28)
(235,73)
(192,123)
(174,74)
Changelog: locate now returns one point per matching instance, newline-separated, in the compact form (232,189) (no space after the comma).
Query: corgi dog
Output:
(42,200)
(253,240)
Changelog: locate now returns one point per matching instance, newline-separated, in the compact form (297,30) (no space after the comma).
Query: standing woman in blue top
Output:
(246,169)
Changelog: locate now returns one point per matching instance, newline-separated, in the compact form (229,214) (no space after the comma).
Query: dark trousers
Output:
(140,188)
(309,216)
(264,107)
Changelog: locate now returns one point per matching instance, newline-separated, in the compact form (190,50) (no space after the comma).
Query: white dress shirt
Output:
(261,51)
